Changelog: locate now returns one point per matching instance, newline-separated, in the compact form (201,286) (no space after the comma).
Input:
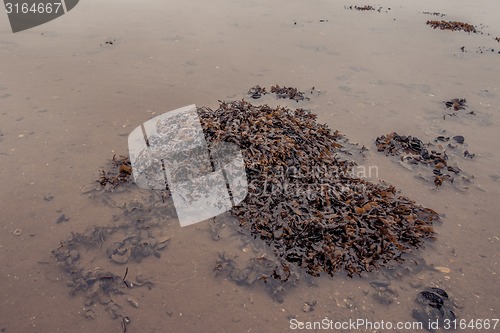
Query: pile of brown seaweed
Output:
(452,25)
(304,201)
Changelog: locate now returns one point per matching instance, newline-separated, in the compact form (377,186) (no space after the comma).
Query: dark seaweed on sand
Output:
(413,151)
(118,174)
(363,8)
(305,202)
(452,25)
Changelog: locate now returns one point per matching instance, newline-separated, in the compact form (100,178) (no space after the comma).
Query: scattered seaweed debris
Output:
(256,265)
(119,174)
(311,21)
(288,93)
(413,151)
(457,139)
(453,26)
(281,92)
(109,42)
(484,49)
(456,104)
(364,8)
(276,279)
(257,92)
(434,305)
(304,201)
(434,13)
(101,286)
(138,244)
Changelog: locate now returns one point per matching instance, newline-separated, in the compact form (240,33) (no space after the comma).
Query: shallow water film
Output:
(368,133)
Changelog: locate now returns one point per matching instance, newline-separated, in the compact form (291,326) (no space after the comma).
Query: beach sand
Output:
(69,99)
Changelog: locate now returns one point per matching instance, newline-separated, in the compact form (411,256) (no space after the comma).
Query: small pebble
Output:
(132,302)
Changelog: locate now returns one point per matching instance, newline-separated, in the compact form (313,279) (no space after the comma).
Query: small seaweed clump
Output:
(281,93)
(119,173)
(413,151)
(288,93)
(257,92)
(305,202)
(452,25)
(456,103)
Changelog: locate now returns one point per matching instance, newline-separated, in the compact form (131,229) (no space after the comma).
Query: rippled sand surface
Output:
(73,89)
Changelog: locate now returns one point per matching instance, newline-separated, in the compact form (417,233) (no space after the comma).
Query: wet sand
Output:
(68,101)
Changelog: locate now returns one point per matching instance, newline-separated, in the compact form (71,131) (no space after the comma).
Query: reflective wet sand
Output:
(68,101)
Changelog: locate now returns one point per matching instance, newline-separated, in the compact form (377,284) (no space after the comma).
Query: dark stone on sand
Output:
(459,139)
(434,304)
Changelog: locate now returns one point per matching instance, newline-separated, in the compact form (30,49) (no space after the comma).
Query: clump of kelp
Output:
(304,200)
